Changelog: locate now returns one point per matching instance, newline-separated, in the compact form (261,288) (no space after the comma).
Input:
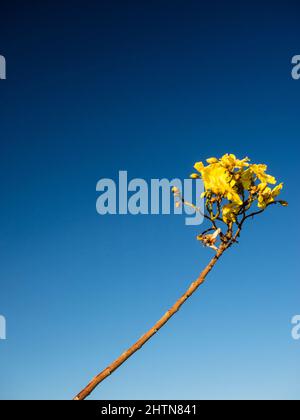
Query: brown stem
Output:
(159,324)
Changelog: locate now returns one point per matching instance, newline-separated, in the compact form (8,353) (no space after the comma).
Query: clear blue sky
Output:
(149,87)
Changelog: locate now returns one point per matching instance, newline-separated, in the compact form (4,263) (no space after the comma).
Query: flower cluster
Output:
(232,186)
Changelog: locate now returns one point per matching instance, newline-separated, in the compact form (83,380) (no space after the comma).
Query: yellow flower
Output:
(260,172)
(219,181)
(246,179)
(236,180)
(266,195)
(230,212)
(228,161)
(242,163)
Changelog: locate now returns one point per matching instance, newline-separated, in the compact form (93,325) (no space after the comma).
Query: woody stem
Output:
(156,327)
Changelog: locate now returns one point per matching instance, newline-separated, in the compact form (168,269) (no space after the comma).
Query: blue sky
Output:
(94,88)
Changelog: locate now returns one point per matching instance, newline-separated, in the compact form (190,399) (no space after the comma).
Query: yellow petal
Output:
(277,190)
(199,166)
(212,160)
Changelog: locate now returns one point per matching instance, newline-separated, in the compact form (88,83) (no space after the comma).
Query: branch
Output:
(259,212)
(240,225)
(187,203)
(159,324)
